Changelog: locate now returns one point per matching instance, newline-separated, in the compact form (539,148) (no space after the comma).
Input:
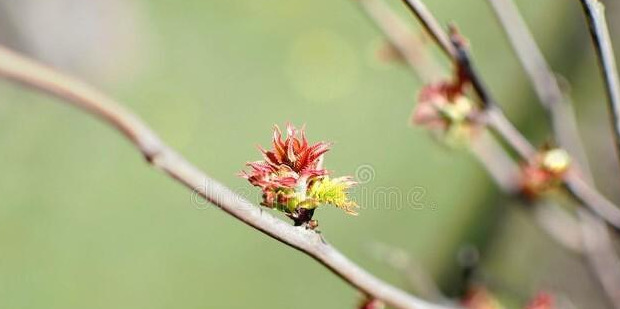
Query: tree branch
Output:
(432,26)
(557,105)
(418,278)
(36,76)
(560,224)
(496,118)
(601,254)
(498,164)
(595,15)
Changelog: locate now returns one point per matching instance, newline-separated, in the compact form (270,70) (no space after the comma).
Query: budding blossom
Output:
(371,303)
(293,179)
(541,301)
(544,172)
(444,108)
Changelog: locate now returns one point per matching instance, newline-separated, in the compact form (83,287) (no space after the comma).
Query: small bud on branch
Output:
(444,108)
(371,303)
(293,179)
(544,172)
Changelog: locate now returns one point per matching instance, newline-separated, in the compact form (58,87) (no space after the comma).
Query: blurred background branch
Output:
(557,105)
(594,11)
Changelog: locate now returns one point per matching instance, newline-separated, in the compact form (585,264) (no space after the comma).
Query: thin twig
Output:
(405,41)
(495,116)
(432,26)
(496,119)
(556,222)
(560,224)
(595,15)
(582,192)
(498,164)
(557,105)
(29,73)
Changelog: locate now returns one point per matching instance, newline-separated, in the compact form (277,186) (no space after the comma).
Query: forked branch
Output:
(579,189)
(544,81)
(595,237)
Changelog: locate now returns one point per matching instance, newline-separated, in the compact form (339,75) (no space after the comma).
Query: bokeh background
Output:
(84,222)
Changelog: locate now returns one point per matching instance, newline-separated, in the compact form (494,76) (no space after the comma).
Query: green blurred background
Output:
(84,222)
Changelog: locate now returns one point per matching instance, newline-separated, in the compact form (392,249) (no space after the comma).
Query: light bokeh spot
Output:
(322,66)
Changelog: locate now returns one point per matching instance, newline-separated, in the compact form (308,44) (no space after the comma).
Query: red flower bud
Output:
(292,177)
